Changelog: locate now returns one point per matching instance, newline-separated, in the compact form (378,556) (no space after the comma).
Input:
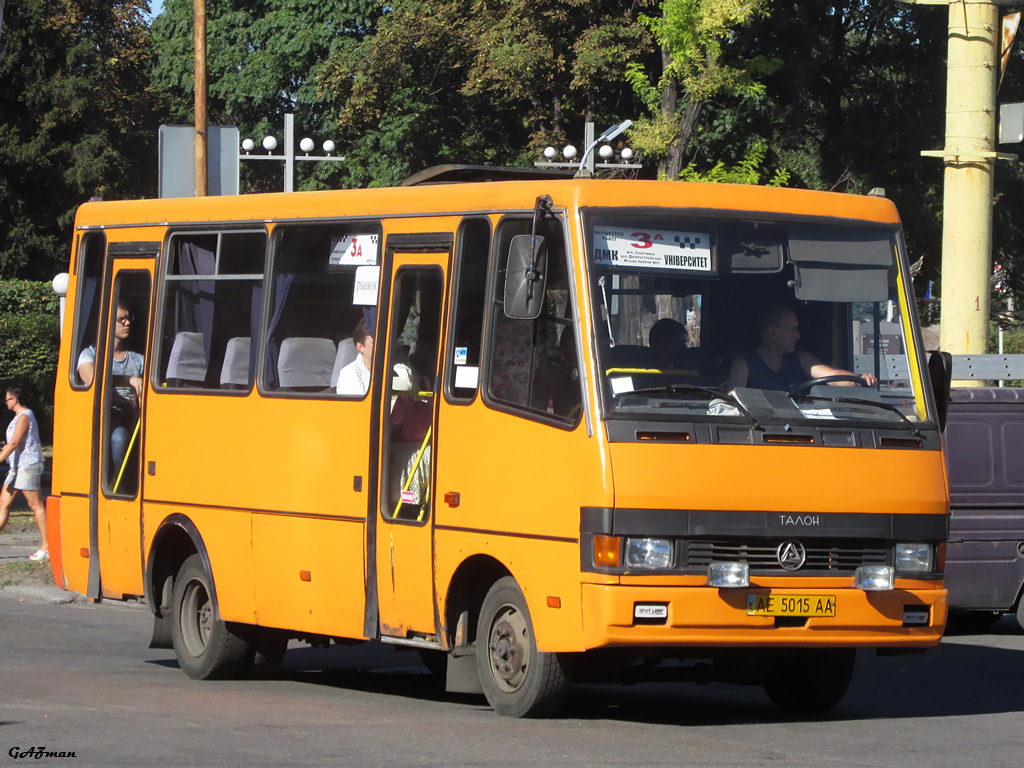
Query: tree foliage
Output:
(76,120)
(859,94)
(29,336)
(746,171)
(481,81)
(263,59)
(691,34)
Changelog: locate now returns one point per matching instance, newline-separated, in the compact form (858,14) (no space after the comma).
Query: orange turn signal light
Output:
(305,576)
(554,602)
(606,551)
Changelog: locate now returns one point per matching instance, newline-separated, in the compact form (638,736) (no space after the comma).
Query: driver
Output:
(776,363)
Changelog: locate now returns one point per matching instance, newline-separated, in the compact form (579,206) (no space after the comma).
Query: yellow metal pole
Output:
(968,180)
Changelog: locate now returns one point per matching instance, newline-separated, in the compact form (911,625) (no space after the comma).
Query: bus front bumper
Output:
(618,615)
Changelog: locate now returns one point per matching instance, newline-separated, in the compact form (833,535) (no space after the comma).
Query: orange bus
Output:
(499,422)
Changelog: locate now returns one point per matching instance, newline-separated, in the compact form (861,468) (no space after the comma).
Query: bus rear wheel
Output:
(810,679)
(518,680)
(207,648)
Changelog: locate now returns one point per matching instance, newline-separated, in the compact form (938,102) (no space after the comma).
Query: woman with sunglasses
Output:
(23,455)
(126,364)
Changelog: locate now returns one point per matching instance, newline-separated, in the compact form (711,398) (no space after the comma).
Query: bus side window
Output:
(214,290)
(125,364)
(532,363)
(86,338)
(462,369)
(312,304)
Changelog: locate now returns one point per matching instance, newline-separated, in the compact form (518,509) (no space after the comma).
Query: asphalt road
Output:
(79,678)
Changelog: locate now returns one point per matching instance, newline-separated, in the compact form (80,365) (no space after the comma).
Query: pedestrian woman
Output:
(23,455)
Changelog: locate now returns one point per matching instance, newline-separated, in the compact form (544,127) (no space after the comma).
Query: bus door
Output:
(116,535)
(410,387)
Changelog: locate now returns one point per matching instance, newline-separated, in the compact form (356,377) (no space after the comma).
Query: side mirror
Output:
(940,371)
(526,277)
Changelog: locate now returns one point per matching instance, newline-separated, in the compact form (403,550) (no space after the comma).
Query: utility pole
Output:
(200,94)
(969,158)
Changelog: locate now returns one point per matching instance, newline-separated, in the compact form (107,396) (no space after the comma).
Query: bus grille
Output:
(840,557)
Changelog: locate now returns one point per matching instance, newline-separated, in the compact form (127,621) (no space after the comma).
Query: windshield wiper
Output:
(861,401)
(712,391)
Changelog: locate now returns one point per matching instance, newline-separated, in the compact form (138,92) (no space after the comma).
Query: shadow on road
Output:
(957,678)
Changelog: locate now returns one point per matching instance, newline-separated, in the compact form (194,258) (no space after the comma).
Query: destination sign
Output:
(653,249)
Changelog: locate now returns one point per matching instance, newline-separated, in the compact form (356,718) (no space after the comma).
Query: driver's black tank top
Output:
(760,376)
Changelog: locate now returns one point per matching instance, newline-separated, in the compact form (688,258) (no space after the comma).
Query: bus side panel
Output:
(74,540)
(226,535)
(280,460)
(521,486)
(261,454)
(308,574)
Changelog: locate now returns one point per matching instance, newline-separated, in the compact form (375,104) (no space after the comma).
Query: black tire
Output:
(810,680)
(973,621)
(517,679)
(1020,611)
(207,648)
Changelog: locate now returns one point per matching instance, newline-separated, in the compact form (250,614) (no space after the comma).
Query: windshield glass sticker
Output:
(621,384)
(653,249)
(353,249)
(461,355)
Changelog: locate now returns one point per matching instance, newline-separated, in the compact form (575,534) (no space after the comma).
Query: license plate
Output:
(790,605)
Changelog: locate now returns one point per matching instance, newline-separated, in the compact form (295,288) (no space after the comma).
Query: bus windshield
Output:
(759,320)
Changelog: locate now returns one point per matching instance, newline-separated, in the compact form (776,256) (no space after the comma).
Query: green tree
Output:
(746,171)
(76,120)
(693,69)
(859,94)
(29,336)
(263,59)
(481,81)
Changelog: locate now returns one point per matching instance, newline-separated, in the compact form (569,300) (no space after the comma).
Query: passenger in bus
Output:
(354,378)
(126,397)
(556,386)
(666,337)
(24,456)
(776,363)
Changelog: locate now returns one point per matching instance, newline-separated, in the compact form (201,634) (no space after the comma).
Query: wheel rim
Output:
(196,618)
(508,648)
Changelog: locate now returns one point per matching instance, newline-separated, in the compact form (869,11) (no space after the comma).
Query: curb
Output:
(53,595)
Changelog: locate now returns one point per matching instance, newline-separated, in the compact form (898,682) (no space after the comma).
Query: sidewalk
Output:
(28,581)
(19,576)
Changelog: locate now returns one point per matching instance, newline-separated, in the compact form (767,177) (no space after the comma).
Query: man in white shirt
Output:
(354,378)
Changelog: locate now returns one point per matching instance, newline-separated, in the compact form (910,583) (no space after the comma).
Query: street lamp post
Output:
(587,165)
(289,158)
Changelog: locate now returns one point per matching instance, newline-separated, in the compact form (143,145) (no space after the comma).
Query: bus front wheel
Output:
(810,679)
(207,648)
(518,680)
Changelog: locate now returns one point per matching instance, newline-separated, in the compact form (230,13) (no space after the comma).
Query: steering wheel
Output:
(806,386)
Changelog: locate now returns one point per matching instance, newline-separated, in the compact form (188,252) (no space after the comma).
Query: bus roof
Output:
(486,197)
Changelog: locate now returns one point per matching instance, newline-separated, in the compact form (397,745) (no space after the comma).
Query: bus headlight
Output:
(915,557)
(648,553)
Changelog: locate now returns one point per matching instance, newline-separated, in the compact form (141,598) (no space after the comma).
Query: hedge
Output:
(29,340)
